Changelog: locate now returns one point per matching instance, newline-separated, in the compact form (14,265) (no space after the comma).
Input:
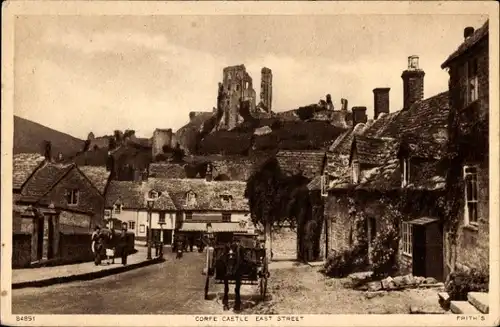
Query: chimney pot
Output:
(413,83)
(344,103)
(468,31)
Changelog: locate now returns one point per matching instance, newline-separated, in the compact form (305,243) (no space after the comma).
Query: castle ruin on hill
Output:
(236,97)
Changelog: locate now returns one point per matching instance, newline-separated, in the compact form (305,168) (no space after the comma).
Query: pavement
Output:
(44,276)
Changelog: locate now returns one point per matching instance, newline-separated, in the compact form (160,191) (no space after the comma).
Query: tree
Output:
(178,154)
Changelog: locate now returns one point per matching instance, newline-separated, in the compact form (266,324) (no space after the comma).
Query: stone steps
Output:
(480,300)
(463,307)
(477,303)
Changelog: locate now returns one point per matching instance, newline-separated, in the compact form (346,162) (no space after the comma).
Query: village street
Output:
(173,286)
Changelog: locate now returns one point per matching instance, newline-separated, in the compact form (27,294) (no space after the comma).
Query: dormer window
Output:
(405,172)
(472,80)
(117,208)
(72,197)
(190,198)
(471,196)
(226,200)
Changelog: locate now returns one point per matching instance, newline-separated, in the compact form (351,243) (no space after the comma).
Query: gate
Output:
(427,241)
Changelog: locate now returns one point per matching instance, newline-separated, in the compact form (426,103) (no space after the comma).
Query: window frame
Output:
(226,217)
(188,215)
(117,209)
(406,171)
(407,238)
(475,188)
(472,81)
(72,197)
(131,225)
(161,218)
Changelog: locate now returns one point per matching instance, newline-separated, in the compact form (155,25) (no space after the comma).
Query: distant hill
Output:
(29,137)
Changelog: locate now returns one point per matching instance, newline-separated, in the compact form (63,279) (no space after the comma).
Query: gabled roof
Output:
(469,43)
(374,151)
(24,164)
(310,163)
(97,175)
(422,129)
(132,195)
(208,194)
(44,179)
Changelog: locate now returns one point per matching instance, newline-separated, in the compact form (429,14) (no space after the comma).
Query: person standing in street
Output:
(96,244)
(123,244)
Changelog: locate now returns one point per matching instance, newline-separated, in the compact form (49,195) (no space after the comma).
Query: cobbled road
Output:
(172,287)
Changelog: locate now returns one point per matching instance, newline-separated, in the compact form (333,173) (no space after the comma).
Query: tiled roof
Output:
(132,195)
(208,194)
(97,175)
(310,163)
(167,170)
(422,129)
(373,151)
(24,164)
(384,177)
(474,39)
(44,179)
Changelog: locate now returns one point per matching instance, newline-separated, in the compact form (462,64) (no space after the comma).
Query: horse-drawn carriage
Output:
(240,262)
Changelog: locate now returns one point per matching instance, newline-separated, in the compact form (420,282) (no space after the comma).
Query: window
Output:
(142,229)
(471,198)
(117,209)
(372,229)
(190,198)
(189,215)
(161,219)
(72,197)
(226,217)
(107,213)
(407,231)
(324,185)
(131,225)
(226,200)
(355,172)
(472,86)
(406,172)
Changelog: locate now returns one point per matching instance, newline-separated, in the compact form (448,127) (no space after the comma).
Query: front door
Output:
(167,236)
(418,256)
(50,250)
(428,250)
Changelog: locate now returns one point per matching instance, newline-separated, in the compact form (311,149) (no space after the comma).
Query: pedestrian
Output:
(180,249)
(96,245)
(123,244)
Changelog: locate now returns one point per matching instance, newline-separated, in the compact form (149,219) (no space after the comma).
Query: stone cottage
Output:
(55,208)
(380,158)
(468,180)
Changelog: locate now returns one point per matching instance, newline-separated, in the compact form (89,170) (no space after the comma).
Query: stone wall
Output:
(21,250)
(161,137)
(473,241)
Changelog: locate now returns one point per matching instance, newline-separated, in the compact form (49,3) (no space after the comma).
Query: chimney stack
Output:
(381,101)
(343,103)
(358,115)
(413,83)
(468,31)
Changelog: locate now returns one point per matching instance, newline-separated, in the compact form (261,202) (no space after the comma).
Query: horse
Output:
(230,266)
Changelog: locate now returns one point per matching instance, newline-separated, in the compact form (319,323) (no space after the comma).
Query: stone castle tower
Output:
(266,89)
(236,88)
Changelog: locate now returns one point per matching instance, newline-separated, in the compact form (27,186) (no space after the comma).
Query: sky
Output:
(78,74)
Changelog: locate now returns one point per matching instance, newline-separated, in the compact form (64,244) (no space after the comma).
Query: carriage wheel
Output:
(263,288)
(207,283)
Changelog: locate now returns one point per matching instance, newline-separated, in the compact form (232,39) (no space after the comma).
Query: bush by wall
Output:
(462,282)
(346,262)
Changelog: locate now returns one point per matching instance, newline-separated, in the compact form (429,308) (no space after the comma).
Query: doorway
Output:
(427,244)
(39,239)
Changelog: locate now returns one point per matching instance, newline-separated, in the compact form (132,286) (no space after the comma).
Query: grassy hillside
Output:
(29,137)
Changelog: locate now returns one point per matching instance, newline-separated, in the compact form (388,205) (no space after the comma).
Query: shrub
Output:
(306,113)
(346,262)
(461,283)
(385,252)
